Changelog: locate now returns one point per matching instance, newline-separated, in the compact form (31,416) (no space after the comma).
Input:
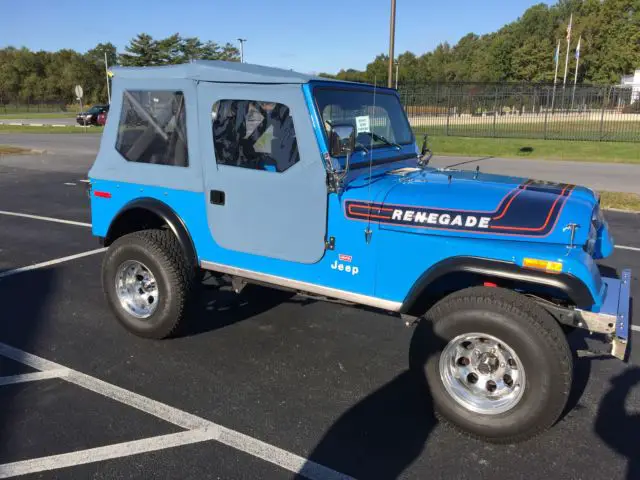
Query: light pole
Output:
(242,40)
(392,37)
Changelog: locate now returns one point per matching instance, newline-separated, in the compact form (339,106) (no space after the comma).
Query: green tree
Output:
(142,50)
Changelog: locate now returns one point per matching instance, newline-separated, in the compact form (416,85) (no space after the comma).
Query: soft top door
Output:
(265,184)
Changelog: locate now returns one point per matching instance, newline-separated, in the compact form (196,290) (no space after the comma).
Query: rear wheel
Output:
(499,367)
(148,282)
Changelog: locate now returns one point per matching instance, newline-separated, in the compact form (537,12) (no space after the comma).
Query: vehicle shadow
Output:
(218,306)
(619,429)
(23,302)
(384,433)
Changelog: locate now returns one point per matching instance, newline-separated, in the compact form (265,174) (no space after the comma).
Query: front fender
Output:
(569,285)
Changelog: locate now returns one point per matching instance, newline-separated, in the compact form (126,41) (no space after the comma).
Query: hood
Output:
(467,203)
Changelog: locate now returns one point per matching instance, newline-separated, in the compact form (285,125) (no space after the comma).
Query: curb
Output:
(620,210)
(18,124)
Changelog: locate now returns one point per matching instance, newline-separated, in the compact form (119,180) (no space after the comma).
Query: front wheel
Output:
(498,365)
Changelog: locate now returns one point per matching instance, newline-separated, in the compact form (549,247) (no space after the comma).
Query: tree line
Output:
(520,51)
(524,49)
(49,77)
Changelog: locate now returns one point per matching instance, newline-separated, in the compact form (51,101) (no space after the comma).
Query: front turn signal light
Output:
(544,265)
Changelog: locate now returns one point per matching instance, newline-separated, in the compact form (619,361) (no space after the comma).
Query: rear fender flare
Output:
(166,214)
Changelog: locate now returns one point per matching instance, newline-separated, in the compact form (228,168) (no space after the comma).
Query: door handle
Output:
(216,197)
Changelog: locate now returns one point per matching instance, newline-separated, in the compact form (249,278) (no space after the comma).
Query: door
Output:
(264,177)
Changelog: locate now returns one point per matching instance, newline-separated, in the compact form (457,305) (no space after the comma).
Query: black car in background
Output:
(90,117)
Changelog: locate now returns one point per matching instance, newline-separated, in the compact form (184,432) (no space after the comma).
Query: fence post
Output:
(546,116)
(495,111)
(448,109)
(604,102)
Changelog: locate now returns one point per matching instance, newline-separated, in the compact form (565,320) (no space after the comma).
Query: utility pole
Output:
(392,39)
(397,69)
(106,72)
(242,40)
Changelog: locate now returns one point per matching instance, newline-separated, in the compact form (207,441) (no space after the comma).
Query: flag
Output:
(556,56)
(569,28)
(578,48)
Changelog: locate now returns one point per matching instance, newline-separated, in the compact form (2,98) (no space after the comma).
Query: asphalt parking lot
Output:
(263,385)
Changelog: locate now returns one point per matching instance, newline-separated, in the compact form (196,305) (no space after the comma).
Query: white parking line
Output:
(624,247)
(108,452)
(199,428)
(635,328)
(56,261)
(35,376)
(46,219)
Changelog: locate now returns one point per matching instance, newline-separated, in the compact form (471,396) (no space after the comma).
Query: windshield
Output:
(95,109)
(379,119)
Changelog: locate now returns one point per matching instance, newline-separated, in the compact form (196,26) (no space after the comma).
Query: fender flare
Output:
(570,285)
(167,215)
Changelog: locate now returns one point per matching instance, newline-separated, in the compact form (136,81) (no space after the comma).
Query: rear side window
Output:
(153,128)
(253,134)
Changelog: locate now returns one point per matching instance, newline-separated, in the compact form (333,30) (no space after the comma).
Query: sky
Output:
(303,35)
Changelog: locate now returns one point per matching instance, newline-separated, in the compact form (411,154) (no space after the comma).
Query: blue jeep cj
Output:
(301,183)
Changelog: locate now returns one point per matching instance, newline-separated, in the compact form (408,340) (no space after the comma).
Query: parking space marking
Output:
(34,376)
(635,328)
(201,429)
(108,452)
(49,263)
(625,247)
(46,219)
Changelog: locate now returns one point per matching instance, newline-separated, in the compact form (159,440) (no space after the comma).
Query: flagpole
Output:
(556,60)
(566,61)
(575,78)
(106,71)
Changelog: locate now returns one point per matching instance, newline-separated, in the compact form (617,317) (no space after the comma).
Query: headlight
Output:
(590,246)
(597,218)
(597,222)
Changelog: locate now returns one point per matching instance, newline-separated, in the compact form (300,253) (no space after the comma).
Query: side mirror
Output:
(424,145)
(425,153)
(342,139)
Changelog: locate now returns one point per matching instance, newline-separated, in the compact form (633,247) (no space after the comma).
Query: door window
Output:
(254,134)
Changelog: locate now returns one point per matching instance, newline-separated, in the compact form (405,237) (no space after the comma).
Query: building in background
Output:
(632,81)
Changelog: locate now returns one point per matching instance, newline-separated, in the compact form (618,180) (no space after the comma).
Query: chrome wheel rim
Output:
(482,373)
(137,289)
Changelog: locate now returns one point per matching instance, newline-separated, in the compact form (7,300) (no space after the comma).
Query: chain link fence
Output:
(601,113)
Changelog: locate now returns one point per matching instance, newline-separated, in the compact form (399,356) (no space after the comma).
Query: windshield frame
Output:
(365,87)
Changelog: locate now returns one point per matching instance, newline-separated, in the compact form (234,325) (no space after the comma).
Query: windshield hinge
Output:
(330,244)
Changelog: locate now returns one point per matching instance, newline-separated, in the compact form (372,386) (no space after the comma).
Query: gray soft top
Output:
(218,71)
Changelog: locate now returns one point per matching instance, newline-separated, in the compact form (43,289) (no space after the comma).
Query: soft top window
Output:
(254,134)
(153,128)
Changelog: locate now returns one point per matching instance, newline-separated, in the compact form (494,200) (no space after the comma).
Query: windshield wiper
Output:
(380,138)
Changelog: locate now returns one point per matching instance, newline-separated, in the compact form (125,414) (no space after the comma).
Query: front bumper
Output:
(620,290)
(613,318)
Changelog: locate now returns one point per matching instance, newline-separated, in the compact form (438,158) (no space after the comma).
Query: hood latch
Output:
(572,227)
